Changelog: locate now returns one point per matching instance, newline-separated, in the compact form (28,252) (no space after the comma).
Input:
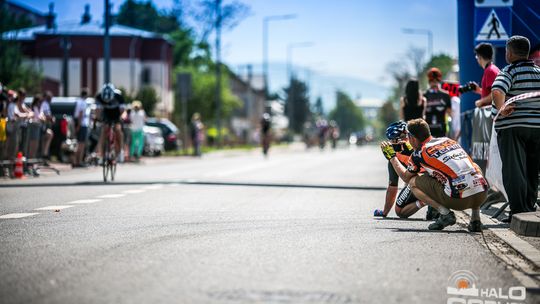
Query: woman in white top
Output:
(34,126)
(138,118)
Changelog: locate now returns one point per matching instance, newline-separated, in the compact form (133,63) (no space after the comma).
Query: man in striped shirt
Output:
(518,126)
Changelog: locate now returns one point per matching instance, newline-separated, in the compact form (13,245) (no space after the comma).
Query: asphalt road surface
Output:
(229,228)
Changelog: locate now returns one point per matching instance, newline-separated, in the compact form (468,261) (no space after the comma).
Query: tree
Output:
(147,95)
(297,104)
(319,110)
(145,16)
(348,115)
(13,72)
(388,114)
(203,95)
(205,16)
(441,61)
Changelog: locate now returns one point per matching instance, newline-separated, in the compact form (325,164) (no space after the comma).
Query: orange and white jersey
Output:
(445,160)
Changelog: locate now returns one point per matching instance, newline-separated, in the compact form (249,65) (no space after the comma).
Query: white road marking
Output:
(245,169)
(133,191)
(16,215)
(154,187)
(111,196)
(84,201)
(59,207)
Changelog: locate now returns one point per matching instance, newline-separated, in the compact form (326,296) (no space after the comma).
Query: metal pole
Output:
(266,20)
(430,43)
(107,43)
(218,72)
(265,56)
(66,46)
(427,32)
(132,65)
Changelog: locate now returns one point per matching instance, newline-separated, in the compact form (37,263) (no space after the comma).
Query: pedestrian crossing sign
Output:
(493,25)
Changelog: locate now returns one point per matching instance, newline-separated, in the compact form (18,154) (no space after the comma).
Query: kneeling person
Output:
(406,203)
(452,180)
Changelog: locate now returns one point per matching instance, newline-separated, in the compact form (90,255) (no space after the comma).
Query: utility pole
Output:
(266,20)
(218,72)
(66,46)
(107,43)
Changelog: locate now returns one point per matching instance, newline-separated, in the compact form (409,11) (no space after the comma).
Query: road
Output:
(229,228)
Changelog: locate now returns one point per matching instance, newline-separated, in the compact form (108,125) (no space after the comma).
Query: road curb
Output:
(509,237)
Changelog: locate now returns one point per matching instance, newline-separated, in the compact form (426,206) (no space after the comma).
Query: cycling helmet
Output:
(396,129)
(107,92)
(266,116)
(434,74)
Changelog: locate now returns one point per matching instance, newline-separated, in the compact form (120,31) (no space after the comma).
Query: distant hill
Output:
(321,84)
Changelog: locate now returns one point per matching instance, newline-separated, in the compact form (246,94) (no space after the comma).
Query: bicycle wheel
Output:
(112,164)
(105,162)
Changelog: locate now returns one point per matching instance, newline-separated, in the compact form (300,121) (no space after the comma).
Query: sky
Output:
(352,41)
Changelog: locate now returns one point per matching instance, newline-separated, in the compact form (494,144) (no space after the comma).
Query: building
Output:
(21,11)
(70,56)
(246,120)
(370,107)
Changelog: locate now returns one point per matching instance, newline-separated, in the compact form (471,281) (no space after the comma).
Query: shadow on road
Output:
(400,219)
(425,230)
(194,182)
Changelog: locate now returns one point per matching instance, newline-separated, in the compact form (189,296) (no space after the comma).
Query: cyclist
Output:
(266,124)
(111,102)
(406,204)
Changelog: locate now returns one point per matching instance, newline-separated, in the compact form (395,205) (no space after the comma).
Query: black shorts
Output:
(82,134)
(393,177)
(405,197)
(111,115)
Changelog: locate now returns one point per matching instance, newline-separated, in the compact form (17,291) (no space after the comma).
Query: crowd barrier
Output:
(25,136)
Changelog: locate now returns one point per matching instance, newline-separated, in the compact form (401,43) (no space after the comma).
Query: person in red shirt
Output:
(484,57)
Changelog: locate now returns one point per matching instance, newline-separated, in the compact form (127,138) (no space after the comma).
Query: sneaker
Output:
(475,226)
(432,214)
(443,221)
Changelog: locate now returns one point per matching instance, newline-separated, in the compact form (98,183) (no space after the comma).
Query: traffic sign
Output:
(493,25)
(493,3)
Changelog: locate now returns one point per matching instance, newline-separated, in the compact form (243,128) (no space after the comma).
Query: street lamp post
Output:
(427,32)
(107,43)
(290,76)
(266,20)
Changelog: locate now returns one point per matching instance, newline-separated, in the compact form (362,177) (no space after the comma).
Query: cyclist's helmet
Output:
(396,129)
(266,116)
(107,92)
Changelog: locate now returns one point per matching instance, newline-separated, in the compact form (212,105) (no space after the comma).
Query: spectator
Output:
(482,122)
(455,126)
(438,104)
(518,127)
(22,114)
(34,127)
(126,130)
(196,128)
(535,55)
(47,130)
(413,104)
(11,127)
(138,118)
(82,121)
(484,57)
(3,123)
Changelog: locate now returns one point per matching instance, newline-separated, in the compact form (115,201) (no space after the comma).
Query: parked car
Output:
(153,141)
(170,132)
